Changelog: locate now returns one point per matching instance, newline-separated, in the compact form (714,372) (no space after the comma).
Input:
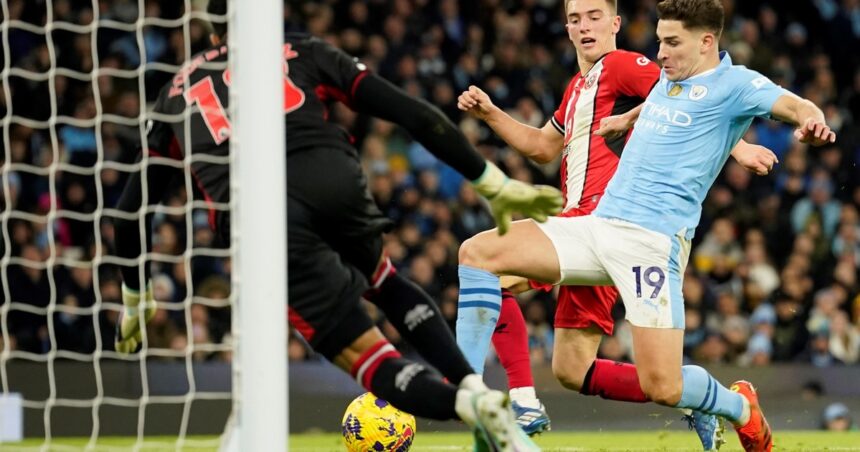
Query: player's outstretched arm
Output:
(541,145)
(426,123)
(127,231)
(809,119)
(440,136)
(128,245)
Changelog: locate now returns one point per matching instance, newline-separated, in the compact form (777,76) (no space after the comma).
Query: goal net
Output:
(78,81)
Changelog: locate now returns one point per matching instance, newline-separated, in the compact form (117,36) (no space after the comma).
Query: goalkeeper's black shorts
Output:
(334,244)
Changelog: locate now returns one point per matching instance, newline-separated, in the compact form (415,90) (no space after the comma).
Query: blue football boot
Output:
(532,420)
(709,427)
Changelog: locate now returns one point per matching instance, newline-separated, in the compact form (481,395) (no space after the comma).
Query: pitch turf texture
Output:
(429,441)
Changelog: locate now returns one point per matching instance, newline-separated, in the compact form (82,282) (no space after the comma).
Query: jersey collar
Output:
(598,61)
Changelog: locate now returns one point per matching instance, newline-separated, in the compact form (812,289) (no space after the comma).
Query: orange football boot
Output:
(755,436)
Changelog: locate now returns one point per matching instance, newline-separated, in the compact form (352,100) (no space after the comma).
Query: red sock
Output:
(510,339)
(613,380)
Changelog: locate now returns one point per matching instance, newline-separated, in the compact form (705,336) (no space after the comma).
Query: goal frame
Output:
(258,209)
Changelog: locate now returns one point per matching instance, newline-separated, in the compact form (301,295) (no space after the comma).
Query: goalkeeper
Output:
(335,228)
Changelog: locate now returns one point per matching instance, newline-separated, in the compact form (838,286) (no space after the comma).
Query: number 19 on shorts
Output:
(652,277)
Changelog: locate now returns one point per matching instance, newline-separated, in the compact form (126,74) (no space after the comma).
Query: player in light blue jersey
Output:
(638,239)
(686,129)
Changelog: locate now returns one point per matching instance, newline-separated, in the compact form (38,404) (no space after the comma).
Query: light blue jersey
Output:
(680,143)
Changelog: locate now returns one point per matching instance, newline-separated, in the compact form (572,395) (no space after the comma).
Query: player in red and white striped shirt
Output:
(607,91)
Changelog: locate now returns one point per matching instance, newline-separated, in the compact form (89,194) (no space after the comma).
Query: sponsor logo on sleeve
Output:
(759,82)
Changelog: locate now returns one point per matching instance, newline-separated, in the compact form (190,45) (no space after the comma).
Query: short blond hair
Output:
(613,5)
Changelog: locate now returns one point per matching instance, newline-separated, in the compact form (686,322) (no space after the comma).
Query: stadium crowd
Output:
(773,275)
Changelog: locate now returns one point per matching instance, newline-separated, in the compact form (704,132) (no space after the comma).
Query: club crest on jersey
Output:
(589,82)
(698,92)
(675,90)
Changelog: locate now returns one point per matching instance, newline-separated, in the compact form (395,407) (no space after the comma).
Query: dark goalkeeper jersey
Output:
(315,75)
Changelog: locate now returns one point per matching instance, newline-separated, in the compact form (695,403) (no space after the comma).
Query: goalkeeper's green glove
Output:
(507,196)
(128,334)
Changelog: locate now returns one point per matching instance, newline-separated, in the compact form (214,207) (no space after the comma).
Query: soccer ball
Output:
(372,424)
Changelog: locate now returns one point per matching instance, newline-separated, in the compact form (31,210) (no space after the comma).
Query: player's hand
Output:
(814,132)
(476,102)
(613,126)
(755,158)
(537,202)
(507,196)
(128,335)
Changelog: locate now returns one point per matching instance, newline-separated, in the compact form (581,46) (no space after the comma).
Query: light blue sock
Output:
(702,392)
(477,313)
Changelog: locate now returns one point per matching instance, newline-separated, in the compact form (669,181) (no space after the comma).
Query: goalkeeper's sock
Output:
(510,339)
(419,321)
(613,380)
(477,313)
(701,392)
(407,385)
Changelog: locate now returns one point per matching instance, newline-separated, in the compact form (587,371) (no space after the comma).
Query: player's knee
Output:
(662,389)
(470,252)
(478,252)
(570,374)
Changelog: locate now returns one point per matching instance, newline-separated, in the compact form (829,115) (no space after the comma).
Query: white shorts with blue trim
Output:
(646,266)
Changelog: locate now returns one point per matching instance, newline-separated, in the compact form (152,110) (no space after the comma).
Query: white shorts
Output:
(646,266)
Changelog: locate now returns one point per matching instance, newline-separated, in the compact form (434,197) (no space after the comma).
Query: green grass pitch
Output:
(433,441)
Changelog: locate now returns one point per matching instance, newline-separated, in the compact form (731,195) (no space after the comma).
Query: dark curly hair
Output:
(701,14)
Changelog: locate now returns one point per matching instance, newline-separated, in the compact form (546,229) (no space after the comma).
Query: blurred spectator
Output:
(761,277)
(719,253)
(713,350)
(819,350)
(695,331)
(540,333)
(790,334)
(759,351)
(844,339)
(818,209)
(811,390)
(837,418)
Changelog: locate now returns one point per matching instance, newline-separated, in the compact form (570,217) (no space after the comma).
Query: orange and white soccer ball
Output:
(372,424)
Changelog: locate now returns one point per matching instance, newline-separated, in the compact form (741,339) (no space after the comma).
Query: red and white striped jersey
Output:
(617,83)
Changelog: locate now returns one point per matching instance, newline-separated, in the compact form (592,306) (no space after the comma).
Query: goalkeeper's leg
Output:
(419,321)
(344,219)
(324,296)
(408,307)
(408,385)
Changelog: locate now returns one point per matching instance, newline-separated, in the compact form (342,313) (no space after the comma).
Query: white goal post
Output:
(259,214)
